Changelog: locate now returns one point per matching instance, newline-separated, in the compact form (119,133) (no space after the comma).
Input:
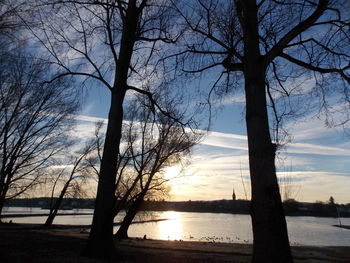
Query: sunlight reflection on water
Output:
(171,229)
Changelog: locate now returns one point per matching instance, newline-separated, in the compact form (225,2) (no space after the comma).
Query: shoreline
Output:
(5,215)
(342,226)
(74,226)
(38,215)
(62,243)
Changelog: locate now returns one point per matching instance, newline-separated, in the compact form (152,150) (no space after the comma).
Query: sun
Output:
(173,172)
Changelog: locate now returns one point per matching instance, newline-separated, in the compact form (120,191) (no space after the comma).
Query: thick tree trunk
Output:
(2,203)
(270,234)
(2,179)
(3,197)
(271,242)
(100,244)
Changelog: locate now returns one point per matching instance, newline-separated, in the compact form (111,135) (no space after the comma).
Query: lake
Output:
(211,227)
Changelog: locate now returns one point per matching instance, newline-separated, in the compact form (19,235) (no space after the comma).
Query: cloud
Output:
(238,98)
(226,140)
(311,128)
(83,131)
(220,162)
(308,148)
(88,118)
(239,142)
(212,161)
(288,161)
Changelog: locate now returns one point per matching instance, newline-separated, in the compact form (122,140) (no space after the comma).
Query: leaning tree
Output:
(70,177)
(272,48)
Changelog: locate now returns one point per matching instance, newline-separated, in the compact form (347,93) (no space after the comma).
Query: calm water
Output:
(210,227)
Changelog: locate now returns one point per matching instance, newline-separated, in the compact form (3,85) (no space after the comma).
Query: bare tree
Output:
(150,142)
(112,44)
(155,142)
(34,118)
(271,48)
(73,182)
(289,186)
(31,124)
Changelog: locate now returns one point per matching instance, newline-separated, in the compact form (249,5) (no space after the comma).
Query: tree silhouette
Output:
(34,119)
(72,181)
(34,114)
(268,47)
(150,142)
(112,44)
(154,143)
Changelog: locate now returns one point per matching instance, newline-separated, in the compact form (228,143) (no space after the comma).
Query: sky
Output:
(312,167)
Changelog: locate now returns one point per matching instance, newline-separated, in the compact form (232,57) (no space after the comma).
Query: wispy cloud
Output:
(220,162)
(239,142)
(308,148)
(311,128)
(88,118)
(238,98)
(226,140)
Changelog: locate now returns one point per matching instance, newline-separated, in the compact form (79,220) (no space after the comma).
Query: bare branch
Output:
(296,31)
(309,66)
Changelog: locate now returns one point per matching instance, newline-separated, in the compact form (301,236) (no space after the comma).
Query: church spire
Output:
(233,193)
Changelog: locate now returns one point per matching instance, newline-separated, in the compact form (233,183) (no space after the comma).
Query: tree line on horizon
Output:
(151,55)
(291,207)
(240,206)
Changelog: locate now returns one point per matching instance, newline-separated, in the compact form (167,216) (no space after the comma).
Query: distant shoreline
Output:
(292,207)
(16,215)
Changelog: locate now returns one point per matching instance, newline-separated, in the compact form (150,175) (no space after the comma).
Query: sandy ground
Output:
(34,243)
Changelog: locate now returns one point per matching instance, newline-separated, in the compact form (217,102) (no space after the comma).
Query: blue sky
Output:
(314,166)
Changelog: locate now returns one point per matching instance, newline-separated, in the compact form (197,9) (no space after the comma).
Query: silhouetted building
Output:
(233,194)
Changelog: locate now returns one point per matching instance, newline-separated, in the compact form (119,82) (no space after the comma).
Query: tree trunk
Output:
(2,203)
(271,243)
(3,197)
(135,206)
(122,232)
(56,206)
(100,243)
(50,218)
(52,215)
